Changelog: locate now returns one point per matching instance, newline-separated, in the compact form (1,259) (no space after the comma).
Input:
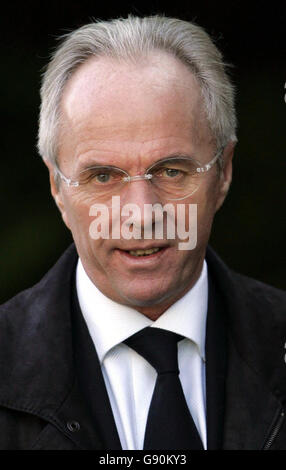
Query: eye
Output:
(95,176)
(176,169)
(102,178)
(171,172)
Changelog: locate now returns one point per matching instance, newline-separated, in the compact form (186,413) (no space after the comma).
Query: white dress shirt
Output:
(129,378)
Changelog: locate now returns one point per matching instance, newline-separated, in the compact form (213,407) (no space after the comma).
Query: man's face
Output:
(130,116)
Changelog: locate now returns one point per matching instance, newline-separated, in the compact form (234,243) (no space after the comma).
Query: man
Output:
(139,114)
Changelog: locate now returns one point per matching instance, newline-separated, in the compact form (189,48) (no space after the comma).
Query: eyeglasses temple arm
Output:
(68,181)
(209,165)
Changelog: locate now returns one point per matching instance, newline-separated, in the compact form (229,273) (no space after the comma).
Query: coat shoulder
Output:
(249,297)
(262,297)
(33,297)
(245,284)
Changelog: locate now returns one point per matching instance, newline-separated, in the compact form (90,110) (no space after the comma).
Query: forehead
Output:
(117,101)
(97,74)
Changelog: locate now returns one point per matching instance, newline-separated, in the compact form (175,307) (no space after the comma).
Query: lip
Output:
(142,247)
(150,260)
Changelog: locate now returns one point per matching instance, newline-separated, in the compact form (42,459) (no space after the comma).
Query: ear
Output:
(57,192)
(226,174)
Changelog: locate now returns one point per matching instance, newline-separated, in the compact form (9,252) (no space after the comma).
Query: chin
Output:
(144,297)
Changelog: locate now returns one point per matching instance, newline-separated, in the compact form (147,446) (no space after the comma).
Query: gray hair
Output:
(131,38)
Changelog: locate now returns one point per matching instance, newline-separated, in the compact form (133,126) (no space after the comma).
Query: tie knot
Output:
(158,347)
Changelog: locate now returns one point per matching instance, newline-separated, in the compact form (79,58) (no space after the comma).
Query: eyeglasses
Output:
(173,178)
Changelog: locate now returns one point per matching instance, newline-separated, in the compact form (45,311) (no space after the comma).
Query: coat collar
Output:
(256,318)
(38,341)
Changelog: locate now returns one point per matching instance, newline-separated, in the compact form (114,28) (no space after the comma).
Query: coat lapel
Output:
(49,366)
(87,404)
(250,406)
(71,426)
(91,382)
(216,366)
(255,380)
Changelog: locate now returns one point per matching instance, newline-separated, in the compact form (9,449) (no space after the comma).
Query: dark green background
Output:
(249,231)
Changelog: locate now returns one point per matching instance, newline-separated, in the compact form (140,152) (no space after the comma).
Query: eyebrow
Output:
(94,164)
(173,156)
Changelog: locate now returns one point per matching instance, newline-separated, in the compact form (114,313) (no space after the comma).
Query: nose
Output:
(142,194)
(139,191)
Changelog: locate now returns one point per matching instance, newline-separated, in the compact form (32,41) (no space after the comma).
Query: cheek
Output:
(77,211)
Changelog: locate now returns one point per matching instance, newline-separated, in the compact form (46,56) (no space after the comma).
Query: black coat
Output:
(42,403)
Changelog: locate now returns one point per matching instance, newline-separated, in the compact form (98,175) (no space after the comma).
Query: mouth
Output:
(147,253)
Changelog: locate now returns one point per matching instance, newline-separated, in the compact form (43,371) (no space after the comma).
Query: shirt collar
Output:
(110,323)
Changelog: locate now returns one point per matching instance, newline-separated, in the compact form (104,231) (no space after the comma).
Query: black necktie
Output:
(169,423)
